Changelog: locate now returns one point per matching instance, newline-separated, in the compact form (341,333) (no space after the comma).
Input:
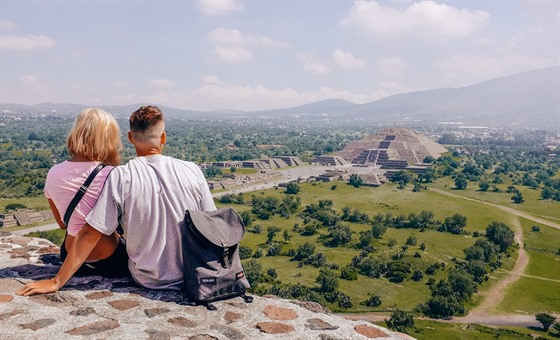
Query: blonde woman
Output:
(94,138)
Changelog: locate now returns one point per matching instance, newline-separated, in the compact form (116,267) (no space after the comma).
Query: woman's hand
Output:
(40,287)
(85,242)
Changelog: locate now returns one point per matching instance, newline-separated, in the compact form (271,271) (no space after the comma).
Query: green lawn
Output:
(440,247)
(532,296)
(36,203)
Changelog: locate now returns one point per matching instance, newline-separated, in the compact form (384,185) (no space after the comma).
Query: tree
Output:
(417,275)
(304,251)
(545,319)
(501,234)
(272,231)
(15,206)
(402,177)
(400,321)
(213,171)
(292,188)
(484,186)
(286,236)
(327,280)
(517,198)
(454,224)
(373,301)
(461,182)
(339,236)
(246,217)
(245,252)
(253,271)
(411,240)
(355,180)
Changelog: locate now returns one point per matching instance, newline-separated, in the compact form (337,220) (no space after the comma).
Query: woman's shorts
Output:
(115,265)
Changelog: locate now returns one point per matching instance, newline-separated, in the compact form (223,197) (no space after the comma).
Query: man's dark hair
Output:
(144,118)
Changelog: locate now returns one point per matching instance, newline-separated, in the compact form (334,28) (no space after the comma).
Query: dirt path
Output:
(485,313)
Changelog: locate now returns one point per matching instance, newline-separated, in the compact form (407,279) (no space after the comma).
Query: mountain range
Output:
(529,99)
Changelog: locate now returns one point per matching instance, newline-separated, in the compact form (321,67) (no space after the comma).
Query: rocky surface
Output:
(92,307)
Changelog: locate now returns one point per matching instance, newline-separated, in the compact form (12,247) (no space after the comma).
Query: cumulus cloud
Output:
(28,42)
(316,67)
(347,60)
(162,83)
(235,37)
(221,7)
(210,79)
(424,17)
(235,46)
(233,54)
(312,64)
(226,36)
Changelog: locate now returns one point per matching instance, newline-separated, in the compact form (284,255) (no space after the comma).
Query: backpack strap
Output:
(81,193)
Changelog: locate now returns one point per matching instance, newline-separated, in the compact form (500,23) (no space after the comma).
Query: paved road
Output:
(43,227)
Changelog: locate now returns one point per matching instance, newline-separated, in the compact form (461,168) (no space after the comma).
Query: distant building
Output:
(392,148)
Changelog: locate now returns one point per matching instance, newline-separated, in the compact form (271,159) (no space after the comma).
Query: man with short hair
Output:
(149,196)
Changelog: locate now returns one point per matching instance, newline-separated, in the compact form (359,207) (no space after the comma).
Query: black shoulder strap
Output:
(81,193)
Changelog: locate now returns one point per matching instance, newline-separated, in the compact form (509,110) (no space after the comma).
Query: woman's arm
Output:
(56,214)
(85,242)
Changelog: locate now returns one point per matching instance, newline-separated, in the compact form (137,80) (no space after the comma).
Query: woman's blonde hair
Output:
(95,135)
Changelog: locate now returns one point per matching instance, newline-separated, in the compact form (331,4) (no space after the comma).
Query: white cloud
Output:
(316,67)
(226,36)
(312,64)
(26,43)
(235,37)
(233,54)
(423,18)
(210,79)
(235,46)
(347,60)
(215,94)
(162,83)
(29,79)
(394,66)
(219,7)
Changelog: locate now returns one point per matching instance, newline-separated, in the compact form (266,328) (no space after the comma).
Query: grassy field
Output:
(36,203)
(440,247)
(533,204)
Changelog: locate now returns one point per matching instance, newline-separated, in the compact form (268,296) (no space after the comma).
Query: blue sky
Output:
(260,54)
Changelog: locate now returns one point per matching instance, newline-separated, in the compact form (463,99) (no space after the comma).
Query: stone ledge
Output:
(92,307)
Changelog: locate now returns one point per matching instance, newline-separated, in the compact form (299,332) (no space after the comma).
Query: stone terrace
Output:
(92,307)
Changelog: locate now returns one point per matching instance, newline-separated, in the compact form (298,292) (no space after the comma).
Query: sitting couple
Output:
(148,197)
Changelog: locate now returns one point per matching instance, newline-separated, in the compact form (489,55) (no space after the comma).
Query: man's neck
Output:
(146,153)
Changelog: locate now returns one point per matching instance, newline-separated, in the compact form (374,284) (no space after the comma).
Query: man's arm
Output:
(85,242)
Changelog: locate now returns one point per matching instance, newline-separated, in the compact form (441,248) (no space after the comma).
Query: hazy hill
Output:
(528,99)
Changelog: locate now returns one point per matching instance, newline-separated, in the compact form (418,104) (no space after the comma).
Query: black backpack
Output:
(211,264)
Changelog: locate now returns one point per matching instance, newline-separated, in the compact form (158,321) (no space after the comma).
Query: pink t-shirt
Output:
(64,180)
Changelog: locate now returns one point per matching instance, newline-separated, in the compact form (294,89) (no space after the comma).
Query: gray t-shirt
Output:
(149,195)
